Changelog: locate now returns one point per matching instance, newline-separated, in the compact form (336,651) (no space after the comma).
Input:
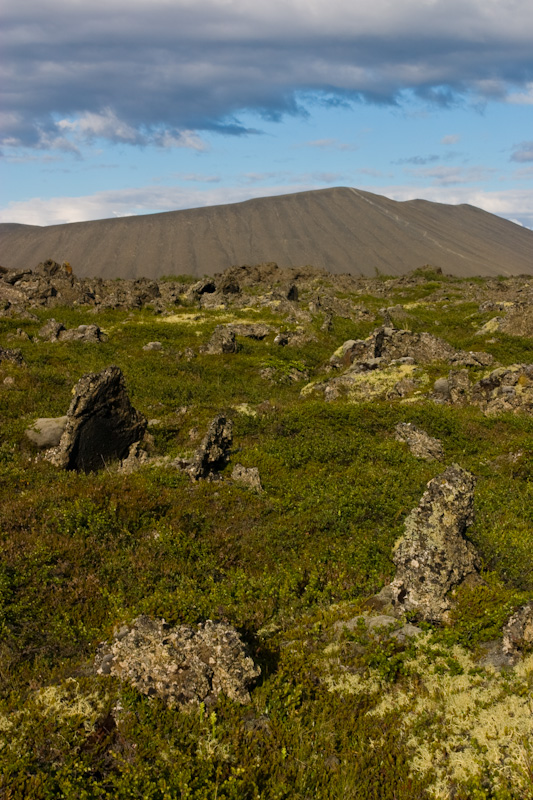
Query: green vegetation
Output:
(332,717)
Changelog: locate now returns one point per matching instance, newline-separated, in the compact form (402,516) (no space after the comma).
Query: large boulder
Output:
(182,666)
(433,556)
(101,423)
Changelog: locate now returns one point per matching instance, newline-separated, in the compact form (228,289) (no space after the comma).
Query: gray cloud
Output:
(452,176)
(419,160)
(153,72)
(523,152)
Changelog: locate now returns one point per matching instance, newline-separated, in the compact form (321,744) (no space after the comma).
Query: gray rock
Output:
(254,330)
(491,654)
(393,343)
(153,346)
(101,423)
(419,442)
(222,341)
(53,331)
(50,331)
(518,631)
(228,285)
(505,389)
(441,389)
(247,475)
(472,359)
(406,632)
(46,431)
(204,286)
(381,621)
(13,355)
(134,460)
(455,389)
(214,452)
(433,557)
(182,666)
(83,333)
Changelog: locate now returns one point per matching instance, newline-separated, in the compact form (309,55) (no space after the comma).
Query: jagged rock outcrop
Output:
(504,389)
(395,357)
(421,444)
(433,557)
(181,666)
(518,631)
(101,423)
(391,344)
(214,452)
(46,432)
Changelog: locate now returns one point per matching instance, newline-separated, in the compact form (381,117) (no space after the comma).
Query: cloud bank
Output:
(514,204)
(154,72)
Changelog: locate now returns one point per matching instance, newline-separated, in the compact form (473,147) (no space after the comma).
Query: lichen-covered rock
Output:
(101,423)
(182,666)
(421,444)
(13,355)
(433,556)
(518,631)
(249,476)
(505,389)
(371,379)
(222,341)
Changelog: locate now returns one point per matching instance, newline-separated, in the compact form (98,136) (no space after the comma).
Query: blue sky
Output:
(115,108)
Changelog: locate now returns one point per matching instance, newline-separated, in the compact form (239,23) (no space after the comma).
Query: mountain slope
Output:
(341,230)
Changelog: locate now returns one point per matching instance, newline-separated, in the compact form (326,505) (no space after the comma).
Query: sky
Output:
(112,108)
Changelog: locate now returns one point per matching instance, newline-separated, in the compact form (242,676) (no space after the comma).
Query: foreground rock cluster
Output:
(183,666)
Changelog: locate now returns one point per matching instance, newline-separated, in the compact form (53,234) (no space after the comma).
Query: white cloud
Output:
(513,204)
(449,176)
(522,98)
(331,144)
(452,138)
(523,152)
(104,125)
